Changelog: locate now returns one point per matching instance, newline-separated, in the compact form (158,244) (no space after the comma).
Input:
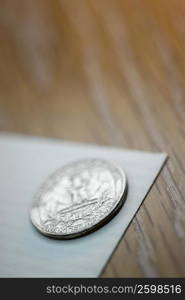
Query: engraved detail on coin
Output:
(78,198)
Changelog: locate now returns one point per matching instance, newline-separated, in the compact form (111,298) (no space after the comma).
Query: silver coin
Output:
(78,198)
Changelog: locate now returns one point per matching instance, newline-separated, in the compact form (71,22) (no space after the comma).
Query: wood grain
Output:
(110,72)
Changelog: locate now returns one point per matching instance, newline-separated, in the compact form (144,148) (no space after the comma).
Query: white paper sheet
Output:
(24,163)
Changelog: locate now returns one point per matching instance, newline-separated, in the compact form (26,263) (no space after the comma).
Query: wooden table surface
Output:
(110,72)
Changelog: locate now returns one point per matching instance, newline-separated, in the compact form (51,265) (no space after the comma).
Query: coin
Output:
(79,198)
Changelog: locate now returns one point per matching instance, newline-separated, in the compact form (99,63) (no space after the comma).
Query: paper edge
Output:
(138,208)
(10,135)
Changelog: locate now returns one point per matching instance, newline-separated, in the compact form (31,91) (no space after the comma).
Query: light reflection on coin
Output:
(78,198)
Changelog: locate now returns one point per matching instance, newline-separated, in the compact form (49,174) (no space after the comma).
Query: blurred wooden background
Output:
(110,72)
